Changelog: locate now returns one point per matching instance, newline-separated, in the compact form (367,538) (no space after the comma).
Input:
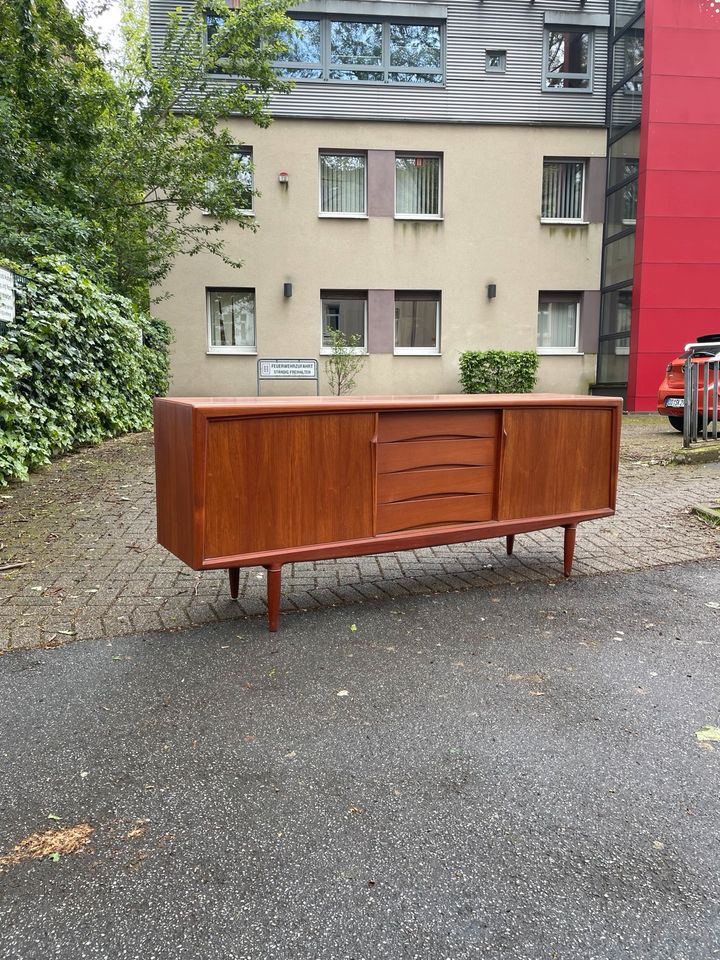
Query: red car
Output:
(671,394)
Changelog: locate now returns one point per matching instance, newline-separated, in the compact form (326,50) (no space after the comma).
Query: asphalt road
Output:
(507,773)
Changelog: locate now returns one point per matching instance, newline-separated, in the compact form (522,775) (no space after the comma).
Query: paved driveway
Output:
(507,773)
(86,527)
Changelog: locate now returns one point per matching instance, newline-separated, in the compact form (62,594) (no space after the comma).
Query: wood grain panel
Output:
(174,479)
(556,461)
(278,482)
(410,454)
(410,514)
(409,484)
(441,423)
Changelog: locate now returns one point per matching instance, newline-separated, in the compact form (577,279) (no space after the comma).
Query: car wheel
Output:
(676,422)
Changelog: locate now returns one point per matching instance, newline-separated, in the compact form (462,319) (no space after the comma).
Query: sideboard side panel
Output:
(287,481)
(556,461)
(175,491)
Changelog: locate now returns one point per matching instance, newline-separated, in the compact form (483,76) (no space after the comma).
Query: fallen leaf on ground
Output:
(658,844)
(50,843)
(713,604)
(708,732)
(343,693)
(54,816)
(138,830)
(353,627)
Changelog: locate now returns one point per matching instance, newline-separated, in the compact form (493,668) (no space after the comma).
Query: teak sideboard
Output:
(268,481)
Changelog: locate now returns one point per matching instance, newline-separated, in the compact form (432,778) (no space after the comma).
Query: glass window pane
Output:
(396,76)
(361,75)
(625,108)
(346,315)
(304,46)
(562,193)
(619,260)
(416,324)
(625,10)
(342,183)
(557,324)
(612,362)
(232,318)
(242,170)
(623,157)
(415,45)
(616,310)
(627,53)
(355,42)
(417,186)
(622,205)
(568,59)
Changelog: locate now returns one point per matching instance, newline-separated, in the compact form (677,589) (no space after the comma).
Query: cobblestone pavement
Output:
(85,530)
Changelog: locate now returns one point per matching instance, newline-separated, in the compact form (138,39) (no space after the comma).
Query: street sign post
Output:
(288,370)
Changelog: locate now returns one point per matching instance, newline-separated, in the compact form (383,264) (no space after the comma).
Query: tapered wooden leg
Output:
(273,596)
(509,543)
(569,547)
(234,575)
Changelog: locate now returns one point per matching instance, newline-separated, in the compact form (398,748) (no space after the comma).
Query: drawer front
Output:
(440,481)
(393,517)
(412,454)
(437,423)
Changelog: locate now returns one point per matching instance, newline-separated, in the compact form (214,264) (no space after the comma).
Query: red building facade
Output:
(676,276)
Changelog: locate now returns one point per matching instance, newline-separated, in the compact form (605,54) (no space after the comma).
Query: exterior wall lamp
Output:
(491,291)
(284,178)
(287,290)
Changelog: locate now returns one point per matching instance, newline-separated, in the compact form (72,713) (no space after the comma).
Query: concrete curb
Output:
(710,512)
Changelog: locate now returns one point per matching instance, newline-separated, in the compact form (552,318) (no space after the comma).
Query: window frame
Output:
(326,351)
(564,298)
(247,151)
(495,53)
(236,349)
(574,220)
(409,154)
(335,215)
(432,296)
(546,75)
(325,66)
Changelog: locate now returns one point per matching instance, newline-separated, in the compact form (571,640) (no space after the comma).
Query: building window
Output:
(558,318)
(418,186)
(346,311)
(568,59)
(241,169)
(343,184)
(495,61)
(417,322)
(303,59)
(364,50)
(563,190)
(231,321)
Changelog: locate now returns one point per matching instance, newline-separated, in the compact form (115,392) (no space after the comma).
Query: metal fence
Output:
(702,361)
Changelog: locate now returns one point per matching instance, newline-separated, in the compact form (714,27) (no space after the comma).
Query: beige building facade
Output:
(484,269)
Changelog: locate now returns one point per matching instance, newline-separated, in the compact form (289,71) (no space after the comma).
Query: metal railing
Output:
(701,393)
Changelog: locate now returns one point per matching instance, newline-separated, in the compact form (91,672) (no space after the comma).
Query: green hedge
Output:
(498,371)
(77,365)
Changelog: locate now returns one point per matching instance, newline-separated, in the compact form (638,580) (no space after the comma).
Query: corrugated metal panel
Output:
(470,95)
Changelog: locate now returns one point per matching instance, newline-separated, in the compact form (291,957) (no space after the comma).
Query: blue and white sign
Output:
(7,296)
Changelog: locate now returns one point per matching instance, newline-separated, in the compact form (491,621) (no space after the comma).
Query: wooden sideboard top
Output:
(248,406)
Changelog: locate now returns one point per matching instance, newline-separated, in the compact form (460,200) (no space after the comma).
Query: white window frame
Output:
(420,216)
(327,351)
(576,220)
(546,75)
(332,215)
(573,351)
(419,351)
(214,349)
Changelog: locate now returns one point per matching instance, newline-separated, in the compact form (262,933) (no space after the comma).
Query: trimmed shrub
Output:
(498,371)
(77,365)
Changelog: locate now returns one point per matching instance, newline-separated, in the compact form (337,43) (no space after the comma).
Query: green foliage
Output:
(110,167)
(76,366)
(343,363)
(498,371)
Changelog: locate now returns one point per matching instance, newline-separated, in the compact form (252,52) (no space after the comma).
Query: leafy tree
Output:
(110,167)
(343,363)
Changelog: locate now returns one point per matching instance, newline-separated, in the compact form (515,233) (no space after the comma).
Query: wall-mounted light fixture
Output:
(284,177)
(287,290)
(491,291)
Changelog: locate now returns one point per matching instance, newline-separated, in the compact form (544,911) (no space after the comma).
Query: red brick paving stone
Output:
(102,574)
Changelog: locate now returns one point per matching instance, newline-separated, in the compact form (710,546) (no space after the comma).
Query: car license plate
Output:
(675,401)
